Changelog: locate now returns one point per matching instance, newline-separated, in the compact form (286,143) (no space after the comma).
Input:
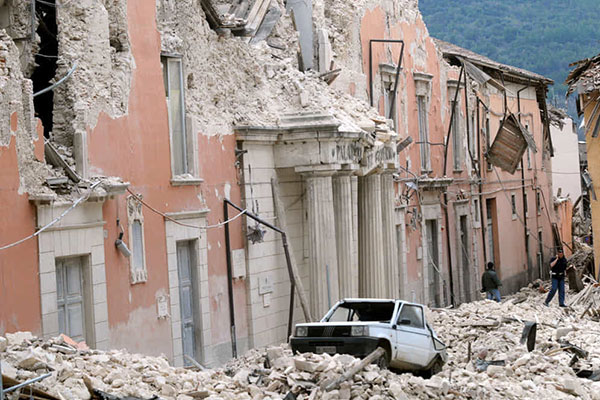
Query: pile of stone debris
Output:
(486,360)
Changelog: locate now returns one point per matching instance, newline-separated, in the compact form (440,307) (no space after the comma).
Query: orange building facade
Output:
(124,187)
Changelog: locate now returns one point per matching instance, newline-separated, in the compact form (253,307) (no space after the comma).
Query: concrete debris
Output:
(549,371)
(537,374)
(265,84)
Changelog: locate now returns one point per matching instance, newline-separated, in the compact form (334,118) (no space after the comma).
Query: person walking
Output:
(490,283)
(558,267)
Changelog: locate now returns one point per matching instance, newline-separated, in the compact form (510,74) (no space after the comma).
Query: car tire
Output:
(384,361)
(436,368)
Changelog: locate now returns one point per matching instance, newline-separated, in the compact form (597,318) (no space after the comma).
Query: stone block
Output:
(48,282)
(560,332)
(97,255)
(49,304)
(47,263)
(306,366)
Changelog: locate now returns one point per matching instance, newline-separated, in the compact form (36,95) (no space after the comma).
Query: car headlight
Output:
(359,331)
(301,331)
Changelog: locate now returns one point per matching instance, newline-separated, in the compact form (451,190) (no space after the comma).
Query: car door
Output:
(413,339)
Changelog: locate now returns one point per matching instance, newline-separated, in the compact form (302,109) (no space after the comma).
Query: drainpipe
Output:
(230,282)
(524,190)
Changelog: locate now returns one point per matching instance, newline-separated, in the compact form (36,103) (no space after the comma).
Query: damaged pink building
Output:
(125,126)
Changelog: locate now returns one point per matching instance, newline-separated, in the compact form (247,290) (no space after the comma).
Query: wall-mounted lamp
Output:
(120,244)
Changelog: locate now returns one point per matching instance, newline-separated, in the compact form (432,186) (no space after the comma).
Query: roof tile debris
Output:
(478,59)
(585,77)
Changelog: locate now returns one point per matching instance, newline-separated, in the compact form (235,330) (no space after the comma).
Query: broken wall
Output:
(93,36)
(21,173)
(260,82)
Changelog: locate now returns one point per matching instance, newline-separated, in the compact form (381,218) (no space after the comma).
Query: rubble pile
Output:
(583,257)
(486,360)
(263,81)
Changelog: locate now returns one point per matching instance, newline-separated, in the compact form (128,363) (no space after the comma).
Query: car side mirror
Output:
(405,321)
(394,326)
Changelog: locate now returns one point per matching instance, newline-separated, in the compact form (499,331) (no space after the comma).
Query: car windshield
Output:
(364,311)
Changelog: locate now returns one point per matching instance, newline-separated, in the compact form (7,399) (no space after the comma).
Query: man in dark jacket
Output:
(490,283)
(558,266)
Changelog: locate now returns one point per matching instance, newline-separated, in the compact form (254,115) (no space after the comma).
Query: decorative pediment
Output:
(314,138)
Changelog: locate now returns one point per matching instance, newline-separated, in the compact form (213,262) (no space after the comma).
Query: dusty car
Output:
(359,326)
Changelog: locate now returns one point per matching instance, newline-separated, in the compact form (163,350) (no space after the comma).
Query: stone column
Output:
(390,248)
(347,262)
(321,243)
(370,238)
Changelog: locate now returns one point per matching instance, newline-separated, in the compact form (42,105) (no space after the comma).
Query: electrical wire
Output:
(517,214)
(218,225)
(55,220)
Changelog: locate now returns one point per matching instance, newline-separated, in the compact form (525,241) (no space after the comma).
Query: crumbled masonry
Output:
(492,329)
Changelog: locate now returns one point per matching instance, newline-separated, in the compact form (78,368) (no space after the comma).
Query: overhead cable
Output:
(55,220)
(138,198)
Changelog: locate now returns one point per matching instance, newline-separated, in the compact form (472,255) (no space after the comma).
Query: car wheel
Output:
(436,367)
(384,361)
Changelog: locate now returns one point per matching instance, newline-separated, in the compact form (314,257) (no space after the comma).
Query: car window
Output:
(363,311)
(412,313)
(341,314)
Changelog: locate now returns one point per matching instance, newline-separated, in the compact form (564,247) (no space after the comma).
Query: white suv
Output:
(359,326)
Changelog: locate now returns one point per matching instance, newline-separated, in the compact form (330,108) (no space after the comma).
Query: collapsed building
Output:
(132,129)
(584,82)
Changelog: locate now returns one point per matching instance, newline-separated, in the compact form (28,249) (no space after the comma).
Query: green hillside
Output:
(543,36)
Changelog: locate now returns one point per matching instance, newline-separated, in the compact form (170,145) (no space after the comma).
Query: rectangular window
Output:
(70,298)
(423,133)
(174,90)
(513,203)
(456,136)
(525,205)
(137,260)
(538,202)
(138,245)
(476,210)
